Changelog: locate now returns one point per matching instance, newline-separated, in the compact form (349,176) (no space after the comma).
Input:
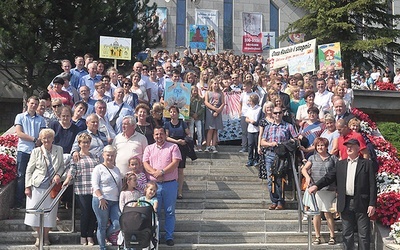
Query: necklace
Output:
(141,130)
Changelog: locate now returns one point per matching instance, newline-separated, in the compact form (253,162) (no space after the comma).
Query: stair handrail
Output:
(42,211)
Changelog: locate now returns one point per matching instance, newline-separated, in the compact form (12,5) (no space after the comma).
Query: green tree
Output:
(36,34)
(365,29)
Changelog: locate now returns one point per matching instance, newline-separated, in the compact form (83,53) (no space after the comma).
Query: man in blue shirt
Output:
(79,70)
(118,109)
(91,79)
(27,126)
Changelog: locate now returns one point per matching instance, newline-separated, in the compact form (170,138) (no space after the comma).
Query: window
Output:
(228,24)
(180,23)
(274,21)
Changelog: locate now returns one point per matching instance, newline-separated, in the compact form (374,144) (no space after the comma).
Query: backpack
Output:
(283,160)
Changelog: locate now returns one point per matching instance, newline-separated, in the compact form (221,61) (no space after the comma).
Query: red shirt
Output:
(65,97)
(351,135)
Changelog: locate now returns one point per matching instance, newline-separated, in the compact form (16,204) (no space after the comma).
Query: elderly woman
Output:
(144,127)
(45,166)
(302,111)
(106,184)
(82,172)
(331,134)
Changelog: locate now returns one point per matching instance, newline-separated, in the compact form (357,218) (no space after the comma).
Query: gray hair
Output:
(131,119)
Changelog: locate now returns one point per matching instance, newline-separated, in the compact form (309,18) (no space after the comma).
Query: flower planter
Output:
(6,199)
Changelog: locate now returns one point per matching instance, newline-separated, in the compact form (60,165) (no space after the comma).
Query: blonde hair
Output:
(46,132)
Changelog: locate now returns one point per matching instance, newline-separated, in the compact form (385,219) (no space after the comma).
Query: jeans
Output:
(276,196)
(22,163)
(111,214)
(88,218)
(252,139)
(244,125)
(166,195)
(199,130)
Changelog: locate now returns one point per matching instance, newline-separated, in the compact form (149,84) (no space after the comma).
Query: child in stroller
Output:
(139,223)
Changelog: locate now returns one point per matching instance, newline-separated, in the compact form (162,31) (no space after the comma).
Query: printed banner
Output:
(231,118)
(252,32)
(303,51)
(295,38)
(177,94)
(161,17)
(198,36)
(209,18)
(115,48)
(329,55)
(268,41)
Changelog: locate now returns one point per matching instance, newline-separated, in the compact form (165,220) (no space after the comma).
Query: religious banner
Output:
(161,17)
(209,18)
(329,55)
(198,36)
(115,48)
(268,41)
(295,38)
(279,58)
(231,118)
(177,94)
(252,32)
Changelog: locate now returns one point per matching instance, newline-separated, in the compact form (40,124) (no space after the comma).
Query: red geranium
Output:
(388,208)
(8,163)
(363,117)
(9,141)
(386,86)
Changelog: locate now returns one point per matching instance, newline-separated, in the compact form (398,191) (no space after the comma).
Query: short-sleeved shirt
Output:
(350,135)
(160,157)
(279,132)
(82,171)
(31,125)
(176,131)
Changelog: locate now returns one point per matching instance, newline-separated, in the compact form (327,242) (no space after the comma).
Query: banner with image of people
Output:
(209,18)
(329,55)
(252,32)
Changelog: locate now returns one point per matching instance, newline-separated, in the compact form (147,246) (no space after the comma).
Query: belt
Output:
(161,182)
(349,197)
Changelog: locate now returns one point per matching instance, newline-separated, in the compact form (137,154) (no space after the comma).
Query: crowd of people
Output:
(122,148)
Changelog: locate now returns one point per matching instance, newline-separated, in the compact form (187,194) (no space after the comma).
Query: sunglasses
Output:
(57,106)
(278,113)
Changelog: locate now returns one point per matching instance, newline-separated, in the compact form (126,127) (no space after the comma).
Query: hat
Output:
(58,80)
(352,141)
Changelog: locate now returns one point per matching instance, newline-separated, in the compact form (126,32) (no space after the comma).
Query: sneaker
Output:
(207,149)
(243,150)
(199,149)
(213,149)
(170,242)
(255,163)
(249,164)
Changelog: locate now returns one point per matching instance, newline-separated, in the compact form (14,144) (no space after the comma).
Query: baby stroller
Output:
(139,226)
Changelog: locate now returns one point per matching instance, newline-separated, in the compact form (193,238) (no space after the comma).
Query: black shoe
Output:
(170,242)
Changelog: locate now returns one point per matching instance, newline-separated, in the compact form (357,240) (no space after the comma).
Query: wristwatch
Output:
(162,172)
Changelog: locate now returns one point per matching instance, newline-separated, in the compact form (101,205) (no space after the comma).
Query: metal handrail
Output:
(37,209)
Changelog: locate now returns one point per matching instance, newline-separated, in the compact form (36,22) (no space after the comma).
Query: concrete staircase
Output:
(224,207)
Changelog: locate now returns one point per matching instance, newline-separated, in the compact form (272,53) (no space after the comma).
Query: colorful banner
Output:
(231,118)
(198,35)
(177,94)
(329,55)
(115,48)
(252,32)
(161,16)
(209,18)
(295,38)
(268,41)
(279,58)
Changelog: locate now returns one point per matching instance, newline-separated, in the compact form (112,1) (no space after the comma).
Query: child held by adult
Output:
(136,167)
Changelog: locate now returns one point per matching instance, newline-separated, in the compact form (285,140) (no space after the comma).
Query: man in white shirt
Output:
(322,97)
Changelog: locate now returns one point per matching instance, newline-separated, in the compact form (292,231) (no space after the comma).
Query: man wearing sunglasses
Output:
(275,133)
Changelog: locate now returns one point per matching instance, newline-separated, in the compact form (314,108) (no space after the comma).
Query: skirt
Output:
(324,200)
(33,220)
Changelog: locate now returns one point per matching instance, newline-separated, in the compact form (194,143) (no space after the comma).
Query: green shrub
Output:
(391,132)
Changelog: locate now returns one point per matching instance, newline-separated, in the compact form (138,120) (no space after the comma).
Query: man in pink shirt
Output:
(161,160)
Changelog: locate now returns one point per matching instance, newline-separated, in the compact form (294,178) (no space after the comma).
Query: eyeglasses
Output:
(144,69)
(57,105)
(278,113)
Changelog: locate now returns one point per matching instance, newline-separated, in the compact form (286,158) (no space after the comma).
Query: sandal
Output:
(180,197)
(332,241)
(317,241)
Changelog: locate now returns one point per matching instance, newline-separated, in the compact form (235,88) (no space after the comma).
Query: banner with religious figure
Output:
(198,36)
(177,94)
(209,18)
(252,32)
(268,41)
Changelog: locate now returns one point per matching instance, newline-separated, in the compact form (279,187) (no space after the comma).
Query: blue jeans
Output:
(166,195)
(22,163)
(244,125)
(252,139)
(196,123)
(111,214)
(88,218)
(276,196)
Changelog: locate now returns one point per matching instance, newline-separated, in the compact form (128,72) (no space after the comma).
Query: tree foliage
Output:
(36,34)
(365,29)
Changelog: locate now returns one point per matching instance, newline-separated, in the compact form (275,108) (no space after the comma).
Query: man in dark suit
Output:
(339,106)
(357,191)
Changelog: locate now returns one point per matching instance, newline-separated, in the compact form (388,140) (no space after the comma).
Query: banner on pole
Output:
(329,55)
(115,48)
(252,32)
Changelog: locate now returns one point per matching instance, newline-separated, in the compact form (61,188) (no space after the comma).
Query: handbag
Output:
(55,190)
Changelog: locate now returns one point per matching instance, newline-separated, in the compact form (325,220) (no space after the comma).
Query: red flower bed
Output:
(388,208)
(8,164)
(386,86)
(363,117)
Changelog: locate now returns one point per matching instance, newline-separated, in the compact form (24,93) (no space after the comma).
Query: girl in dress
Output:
(150,195)
(214,101)
(129,191)
(136,167)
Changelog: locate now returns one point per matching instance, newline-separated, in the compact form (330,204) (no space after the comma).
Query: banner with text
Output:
(329,55)
(209,18)
(295,55)
(252,32)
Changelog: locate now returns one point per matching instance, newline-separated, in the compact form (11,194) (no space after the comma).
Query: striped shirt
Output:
(82,171)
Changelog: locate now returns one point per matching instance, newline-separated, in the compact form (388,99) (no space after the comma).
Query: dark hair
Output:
(44,95)
(176,72)
(106,76)
(319,140)
(173,107)
(58,80)
(313,109)
(308,93)
(159,127)
(84,104)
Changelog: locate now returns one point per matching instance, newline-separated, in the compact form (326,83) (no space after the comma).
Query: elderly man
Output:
(277,132)
(356,194)
(128,143)
(339,106)
(84,93)
(161,160)
(100,108)
(91,79)
(118,109)
(99,139)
